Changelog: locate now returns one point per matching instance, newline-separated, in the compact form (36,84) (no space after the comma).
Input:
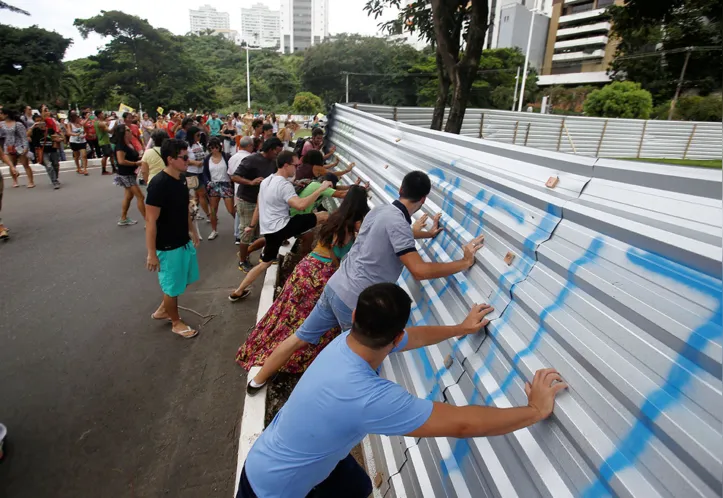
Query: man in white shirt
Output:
(246,148)
(276,196)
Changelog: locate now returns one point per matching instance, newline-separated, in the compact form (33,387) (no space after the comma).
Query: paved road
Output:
(100,401)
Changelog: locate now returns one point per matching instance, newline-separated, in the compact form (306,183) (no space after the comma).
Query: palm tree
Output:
(5,6)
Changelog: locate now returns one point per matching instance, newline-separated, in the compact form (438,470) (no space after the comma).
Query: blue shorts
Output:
(329,312)
(179,269)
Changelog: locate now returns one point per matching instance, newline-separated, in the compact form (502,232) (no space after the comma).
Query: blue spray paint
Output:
(678,378)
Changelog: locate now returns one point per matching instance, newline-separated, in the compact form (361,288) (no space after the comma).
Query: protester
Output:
(4,231)
(101,131)
(251,172)
(147,125)
(174,123)
(128,161)
(129,120)
(274,123)
(312,187)
(313,166)
(196,155)
(317,143)
(161,123)
(267,131)
(276,196)
(76,131)
(315,122)
(229,132)
(214,125)
(171,252)
(245,147)
(182,132)
(14,135)
(27,118)
(341,398)
(384,246)
(215,169)
(257,126)
(303,288)
(45,152)
(152,161)
(248,119)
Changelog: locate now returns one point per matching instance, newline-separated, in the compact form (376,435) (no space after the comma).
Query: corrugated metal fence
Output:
(614,278)
(597,137)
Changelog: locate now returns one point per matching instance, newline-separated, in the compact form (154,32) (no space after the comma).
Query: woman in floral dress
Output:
(304,287)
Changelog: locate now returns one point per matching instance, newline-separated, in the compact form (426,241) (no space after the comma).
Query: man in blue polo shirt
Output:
(384,246)
(340,399)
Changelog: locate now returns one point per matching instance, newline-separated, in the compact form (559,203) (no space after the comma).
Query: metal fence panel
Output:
(587,136)
(613,277)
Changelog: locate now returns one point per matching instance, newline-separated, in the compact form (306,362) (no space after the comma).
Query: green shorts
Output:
(179,269)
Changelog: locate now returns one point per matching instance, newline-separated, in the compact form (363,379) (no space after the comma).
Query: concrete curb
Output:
(39,169)
(252,419)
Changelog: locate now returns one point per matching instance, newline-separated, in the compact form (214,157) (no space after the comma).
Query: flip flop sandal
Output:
(186,333)
(4,235)
(31,186)
(153,317)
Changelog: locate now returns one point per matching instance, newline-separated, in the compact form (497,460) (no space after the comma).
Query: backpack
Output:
(299,147)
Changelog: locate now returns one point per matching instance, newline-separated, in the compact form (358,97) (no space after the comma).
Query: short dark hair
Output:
(271,143)
(316,132)
(126,114)
(256,123)
(214,142)
(192,133)
(314,158)
(332,178)
(267,126)
(186,122)
(286,157)
(415,186)
(382,311)
(158,137)
(172,148)
(98,112)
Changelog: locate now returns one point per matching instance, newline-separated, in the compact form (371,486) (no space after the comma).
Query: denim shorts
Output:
(329,312)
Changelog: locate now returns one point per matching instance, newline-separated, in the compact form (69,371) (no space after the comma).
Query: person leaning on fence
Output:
(384,247)
(317,143)
(341,398)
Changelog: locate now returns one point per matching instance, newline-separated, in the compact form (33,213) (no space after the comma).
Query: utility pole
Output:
(517,82)
(680,84)
(347,88)
(527,57)
(248,80)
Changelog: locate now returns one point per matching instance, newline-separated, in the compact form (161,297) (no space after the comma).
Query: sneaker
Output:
(245,266)
(233,297)
(56,186)
(238,241)
(213,235)
(253,391)
(126,222)
(208,220)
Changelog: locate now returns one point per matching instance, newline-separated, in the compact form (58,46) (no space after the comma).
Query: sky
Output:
(345,16)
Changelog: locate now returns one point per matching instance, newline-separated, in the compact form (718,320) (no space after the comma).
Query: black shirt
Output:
(131,156)
(252,167)
(171,196)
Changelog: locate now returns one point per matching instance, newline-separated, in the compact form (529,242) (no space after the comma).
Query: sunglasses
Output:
(185,158)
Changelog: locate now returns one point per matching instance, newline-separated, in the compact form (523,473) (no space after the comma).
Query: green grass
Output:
(303,133)
(705,163)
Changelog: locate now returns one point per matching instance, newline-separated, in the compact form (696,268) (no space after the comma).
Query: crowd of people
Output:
(339,313)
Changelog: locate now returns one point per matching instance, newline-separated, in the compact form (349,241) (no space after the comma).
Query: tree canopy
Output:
(620,99)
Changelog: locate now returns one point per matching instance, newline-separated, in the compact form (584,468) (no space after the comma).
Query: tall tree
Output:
(447,24)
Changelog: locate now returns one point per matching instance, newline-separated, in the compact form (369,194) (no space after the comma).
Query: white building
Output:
(303,23)
(206,17)
(261,26)
(496,17)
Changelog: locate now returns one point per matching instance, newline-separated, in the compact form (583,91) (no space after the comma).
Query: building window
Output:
(604,3)
(581,7)
(566,68)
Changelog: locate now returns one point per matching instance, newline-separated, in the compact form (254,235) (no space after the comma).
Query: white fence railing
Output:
(597,137)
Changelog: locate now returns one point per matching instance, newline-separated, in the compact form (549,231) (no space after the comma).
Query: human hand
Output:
(541,393)
(420,223)
(257,181)
(332,149)
(325,185)
(249,229)
(195,238)
(476,319)
(152,263)
(471,249)
(436,229)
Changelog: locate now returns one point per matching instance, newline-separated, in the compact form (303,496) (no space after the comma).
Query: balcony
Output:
(573,78)
(581,16)
(573,2)
(582,42)
(578,56)
(599,27)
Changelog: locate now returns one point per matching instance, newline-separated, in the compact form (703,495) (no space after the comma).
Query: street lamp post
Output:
(248,80)
(527,57)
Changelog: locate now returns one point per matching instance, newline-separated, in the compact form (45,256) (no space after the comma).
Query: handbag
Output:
(192,182)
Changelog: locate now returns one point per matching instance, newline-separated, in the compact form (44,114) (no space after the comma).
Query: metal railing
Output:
(609,271)
(597,137)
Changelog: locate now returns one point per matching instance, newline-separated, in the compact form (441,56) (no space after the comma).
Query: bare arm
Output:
(243,181)
(482,421)
(301,204)
(122,161)
(152,214)
(145,168)
(422,270)
(419,337)
(418,229)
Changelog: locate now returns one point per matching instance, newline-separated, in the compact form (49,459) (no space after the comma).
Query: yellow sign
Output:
(125,108)
(159,110)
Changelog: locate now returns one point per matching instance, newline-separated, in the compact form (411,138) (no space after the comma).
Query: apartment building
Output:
(514,30)
(261,26)
(579,49)
(206,17)
(303,23)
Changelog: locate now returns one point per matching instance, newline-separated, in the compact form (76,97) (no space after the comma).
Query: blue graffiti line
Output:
(390,190)
(677,379)
(497,202)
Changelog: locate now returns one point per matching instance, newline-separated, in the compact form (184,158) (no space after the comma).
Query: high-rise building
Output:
(579,49)
(261,26)
(206,17)
(303,23)
(496,17)
(514,29)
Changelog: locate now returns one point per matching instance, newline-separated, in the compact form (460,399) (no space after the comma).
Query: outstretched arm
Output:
(419,337)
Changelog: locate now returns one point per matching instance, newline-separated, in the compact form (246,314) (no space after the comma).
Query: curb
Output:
(39,169)
(252,419)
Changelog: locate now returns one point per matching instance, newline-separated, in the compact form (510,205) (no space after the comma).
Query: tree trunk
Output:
(460,96)
(442,93)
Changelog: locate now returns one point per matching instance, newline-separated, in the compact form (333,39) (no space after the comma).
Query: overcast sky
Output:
(345,16)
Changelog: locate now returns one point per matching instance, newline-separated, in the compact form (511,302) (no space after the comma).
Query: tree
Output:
(307,103)
(445,23)
(653,38)
(6,6)
(620,99)
(31,64)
